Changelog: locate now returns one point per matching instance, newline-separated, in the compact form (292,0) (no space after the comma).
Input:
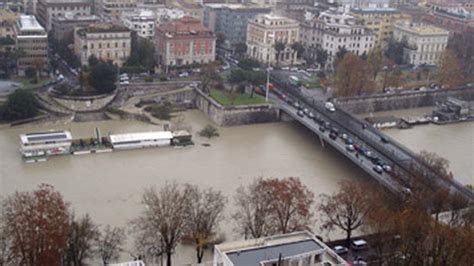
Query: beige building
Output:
(267,29)
(425,43)
(380,21)
(114,8)
(105,41)
(49,9)
(33,40)
(293,249)
(63,27)
(8,20)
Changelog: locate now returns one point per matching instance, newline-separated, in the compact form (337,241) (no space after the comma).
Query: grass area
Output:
(27,83)
(235,98)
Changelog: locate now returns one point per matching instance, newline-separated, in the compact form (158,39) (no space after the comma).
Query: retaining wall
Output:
(379,103)
(84,103)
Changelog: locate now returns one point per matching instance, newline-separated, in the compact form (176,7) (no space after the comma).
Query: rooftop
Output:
(379,10)
(421,28)
(29,23)
(41,137)
(140,136)
(183,26)
(102,28)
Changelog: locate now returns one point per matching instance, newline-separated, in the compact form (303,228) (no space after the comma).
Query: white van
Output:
(359,244)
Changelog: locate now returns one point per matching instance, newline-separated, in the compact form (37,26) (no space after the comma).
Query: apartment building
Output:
(8,20)
(114,8)
(231,20)
(425,43)
(264,31)
(334,30)
(33,40)
(49,9)
(105,41)
(380,21)
(184,42)
(299,248)
(63,26)
(143,22)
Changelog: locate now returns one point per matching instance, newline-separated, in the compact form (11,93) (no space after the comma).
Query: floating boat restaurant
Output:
(37,147)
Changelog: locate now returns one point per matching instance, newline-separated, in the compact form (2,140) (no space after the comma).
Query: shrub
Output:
(209,131)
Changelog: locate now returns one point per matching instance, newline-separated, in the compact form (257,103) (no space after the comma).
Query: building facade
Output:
(380,21)
(114,8)
(264,31)
(425,43)
(299,248)
(191,8)
(231,20)
(333,31)
(33,40)
(63,27)
(183,42)
(104,41)
(143,22)
(49,9)
(8,20)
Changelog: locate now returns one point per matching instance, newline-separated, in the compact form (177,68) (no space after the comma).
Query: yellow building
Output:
(104,41)
(380,21)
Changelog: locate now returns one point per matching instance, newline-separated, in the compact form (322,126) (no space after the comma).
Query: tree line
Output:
(39,227)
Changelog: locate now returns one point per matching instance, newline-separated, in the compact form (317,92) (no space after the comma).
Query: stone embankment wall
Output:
(234,116)
(379,103)
(84,103)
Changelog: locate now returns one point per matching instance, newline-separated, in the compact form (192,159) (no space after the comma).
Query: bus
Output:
(295,81)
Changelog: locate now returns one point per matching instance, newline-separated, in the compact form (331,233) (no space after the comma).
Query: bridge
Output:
(406,165)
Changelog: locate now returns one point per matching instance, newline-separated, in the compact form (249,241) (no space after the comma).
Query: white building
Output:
(164,15)
(334,30)
(141,140)
(42,144)
(299,248)
(425,43)
(141,21)
(264,31)
(32,38)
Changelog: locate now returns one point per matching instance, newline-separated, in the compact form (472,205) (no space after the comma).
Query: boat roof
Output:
(40,137)
(117,138)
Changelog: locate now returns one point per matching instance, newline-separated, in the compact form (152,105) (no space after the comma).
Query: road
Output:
(406,164)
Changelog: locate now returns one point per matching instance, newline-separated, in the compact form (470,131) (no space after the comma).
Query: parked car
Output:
(311,115)
(349,141)
(359,244)
(387,168)
(327,125)
(300,113)
(350,148)
(340,249)
(306,111)
(183,74)
(330,107)
(344,136)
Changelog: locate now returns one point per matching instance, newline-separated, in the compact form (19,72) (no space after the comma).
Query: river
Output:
(109,186)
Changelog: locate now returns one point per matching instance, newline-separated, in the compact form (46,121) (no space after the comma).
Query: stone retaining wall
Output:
(84,103)
(234,116)
(379,103)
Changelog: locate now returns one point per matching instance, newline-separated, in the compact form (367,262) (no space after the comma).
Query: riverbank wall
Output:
(236,115)
(84,103)
(390,102)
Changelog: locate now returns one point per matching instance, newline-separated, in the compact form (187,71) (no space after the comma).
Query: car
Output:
(306,111)
(225,67)
(289,101)
(184,74)
(344,136)
(327,125)
(384,140)
(60,77)
(294,69)
(125,82)
(357,147)
(359,244)
(387,168)
(311,115)
(322,128)
(349,141)
(333,135)
(296,105)
(285,68)
(340,249)
(350,148)
(300,113)
(317,118)
(359,262)
(330,107)
(378,169)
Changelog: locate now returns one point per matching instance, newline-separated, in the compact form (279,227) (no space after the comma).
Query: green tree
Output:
(299,48)
(220,39)
(321,57)
(279,47)
(102,77)
(92,60)
(248,64)
(240,48)
(20,104)
(30,72)
(340,54)
(375,60)
(395,50)
(142,54)
(237,76)
(209,131)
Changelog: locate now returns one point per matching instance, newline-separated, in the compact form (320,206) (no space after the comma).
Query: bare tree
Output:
(165,216)
(6,257)
(345,209)
(291,204)
(82,236)
(109,243)
(253,210)
(205,211)
(439,164)
(36,226)
(269,206)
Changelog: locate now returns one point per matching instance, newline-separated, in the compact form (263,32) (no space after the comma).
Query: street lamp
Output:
(268,83)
